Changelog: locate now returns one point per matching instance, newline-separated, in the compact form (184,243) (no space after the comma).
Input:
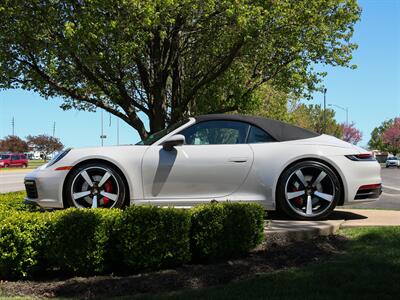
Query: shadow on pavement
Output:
(336,215)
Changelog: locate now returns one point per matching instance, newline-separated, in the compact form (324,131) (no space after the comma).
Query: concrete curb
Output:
(285,231)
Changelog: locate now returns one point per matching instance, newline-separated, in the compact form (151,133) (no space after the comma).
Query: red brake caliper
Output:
(298,200)
(108,188)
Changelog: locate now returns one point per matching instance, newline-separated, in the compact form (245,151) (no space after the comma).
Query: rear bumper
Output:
(357,176)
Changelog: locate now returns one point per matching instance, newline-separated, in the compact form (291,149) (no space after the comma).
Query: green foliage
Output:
(79,239)
(377,142)
(167,59)
(149,237)
(140,238)
(14,201)
(225,230)
(22,237)
(312,117)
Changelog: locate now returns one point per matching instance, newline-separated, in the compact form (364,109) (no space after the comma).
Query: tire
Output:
(24,166)
(95,185)
(308,190)
(6,166)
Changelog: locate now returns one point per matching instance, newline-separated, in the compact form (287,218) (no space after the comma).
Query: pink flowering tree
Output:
(350,133)
(391,137)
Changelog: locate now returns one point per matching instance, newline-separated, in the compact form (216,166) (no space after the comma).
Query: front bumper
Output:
(44,188)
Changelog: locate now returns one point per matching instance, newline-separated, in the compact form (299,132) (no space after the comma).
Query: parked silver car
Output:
(392,162)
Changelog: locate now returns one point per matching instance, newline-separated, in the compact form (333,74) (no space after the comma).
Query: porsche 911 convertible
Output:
(213,158)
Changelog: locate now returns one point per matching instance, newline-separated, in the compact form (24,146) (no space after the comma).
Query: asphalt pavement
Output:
(390,198)
(11,181)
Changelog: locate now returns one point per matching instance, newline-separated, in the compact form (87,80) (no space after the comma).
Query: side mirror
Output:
(172,141)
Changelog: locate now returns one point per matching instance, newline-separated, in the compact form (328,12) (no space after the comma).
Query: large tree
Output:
(376,142)
(168,59)
(13,143)
(312,118)
(350,133)
(44,144)
(391,137)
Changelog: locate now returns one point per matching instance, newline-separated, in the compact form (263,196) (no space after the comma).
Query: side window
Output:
(257,135)
(15,157)
(216,132)
(23,156)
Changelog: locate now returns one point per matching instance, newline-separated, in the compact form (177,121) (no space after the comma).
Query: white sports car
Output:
(213,158)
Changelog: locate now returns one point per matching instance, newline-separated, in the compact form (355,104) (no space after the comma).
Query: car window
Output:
(216,132)
(5,157)
(15,157)
(257,135)
(23,156)
(160,134)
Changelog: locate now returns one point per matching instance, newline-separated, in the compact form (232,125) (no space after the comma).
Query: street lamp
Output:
(346,109)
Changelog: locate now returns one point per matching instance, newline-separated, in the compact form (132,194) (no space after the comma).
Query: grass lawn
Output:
(370,269)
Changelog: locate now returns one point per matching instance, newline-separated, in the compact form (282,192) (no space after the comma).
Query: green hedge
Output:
(225,230)
(140,238)
(22,237)
(152,238)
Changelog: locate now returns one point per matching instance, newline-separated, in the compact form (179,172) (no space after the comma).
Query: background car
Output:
(214,158)
(13,160)
(392,162)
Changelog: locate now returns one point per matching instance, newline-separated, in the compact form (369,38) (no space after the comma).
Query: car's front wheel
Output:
(95,185)
(308,190)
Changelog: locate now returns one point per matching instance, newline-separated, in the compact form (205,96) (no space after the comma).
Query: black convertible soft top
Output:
(280,131)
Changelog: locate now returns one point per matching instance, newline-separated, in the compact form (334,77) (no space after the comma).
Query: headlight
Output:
(1,163)
(58,157)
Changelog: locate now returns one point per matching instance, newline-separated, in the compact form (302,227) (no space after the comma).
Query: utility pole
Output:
(13,126)
(117,131)
(54,129)
(102,136)
(324,126)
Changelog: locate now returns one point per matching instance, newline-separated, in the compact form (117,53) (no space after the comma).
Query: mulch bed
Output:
(264,260)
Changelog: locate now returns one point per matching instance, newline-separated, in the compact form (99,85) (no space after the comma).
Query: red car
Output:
(13,160)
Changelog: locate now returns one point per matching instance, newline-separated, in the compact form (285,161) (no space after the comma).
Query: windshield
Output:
(151,139)
(392,158)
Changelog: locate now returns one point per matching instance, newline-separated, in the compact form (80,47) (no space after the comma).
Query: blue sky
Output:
(371,92)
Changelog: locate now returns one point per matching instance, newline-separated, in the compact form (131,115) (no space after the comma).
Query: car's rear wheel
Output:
(95,185)
(308,190)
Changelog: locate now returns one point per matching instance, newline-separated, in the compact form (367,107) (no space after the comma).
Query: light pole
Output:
(346,109)
(102,136)
(324,128)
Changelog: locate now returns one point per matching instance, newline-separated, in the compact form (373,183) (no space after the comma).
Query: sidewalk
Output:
(282,231)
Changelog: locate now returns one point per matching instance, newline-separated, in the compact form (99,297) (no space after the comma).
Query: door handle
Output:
(238,159)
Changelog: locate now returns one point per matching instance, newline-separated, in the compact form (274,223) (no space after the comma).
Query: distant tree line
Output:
(386,137)
(44,144)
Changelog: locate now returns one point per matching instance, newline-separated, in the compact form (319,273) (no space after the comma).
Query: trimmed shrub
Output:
(14,202)
(21,243)
(225,230)
(78,239)
(149,237)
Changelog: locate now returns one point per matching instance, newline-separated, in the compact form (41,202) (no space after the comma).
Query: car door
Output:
(14,160)
(213,163)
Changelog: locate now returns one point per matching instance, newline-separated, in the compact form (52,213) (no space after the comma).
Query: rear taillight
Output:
(361,157)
